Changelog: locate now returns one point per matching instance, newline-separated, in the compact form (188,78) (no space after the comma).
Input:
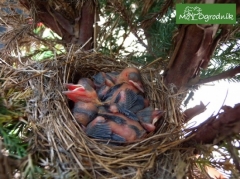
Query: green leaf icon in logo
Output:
(190,12)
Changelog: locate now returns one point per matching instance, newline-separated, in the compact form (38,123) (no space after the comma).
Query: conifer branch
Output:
(224,75)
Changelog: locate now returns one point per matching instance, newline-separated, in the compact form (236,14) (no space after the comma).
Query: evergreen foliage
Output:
(133,20)
(150,26)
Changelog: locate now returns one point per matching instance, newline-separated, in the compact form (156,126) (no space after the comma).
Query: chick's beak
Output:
(137,85)
(71,86)
(157,115)
(73,94)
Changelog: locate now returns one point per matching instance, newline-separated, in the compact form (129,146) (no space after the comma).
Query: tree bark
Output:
(192,49)
(218,127)
(85,28)
(194,46)
(192,112)
(74,25)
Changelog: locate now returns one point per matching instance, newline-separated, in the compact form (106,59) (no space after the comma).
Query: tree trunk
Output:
(193,48)
(73,22)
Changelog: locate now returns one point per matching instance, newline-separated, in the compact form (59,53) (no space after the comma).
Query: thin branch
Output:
(134,31)
(227,74)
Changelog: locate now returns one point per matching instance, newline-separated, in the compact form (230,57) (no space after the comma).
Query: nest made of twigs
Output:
(58,142)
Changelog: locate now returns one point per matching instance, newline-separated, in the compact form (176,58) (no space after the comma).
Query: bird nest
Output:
(58,143)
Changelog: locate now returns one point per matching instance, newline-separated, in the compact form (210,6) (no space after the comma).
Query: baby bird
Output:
(132,76)
(103,82)
(148,117)
(115,108)
(86,104)
(115,127)
(82,91)
(84,112)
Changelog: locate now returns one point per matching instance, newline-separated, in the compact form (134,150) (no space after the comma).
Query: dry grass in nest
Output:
(61,146)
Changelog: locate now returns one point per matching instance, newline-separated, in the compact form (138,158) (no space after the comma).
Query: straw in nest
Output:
(60,146)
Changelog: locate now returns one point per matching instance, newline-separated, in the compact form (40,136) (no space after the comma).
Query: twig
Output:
(86,43)
(154,61)
(95,29)
(141,41)
(11,86)
(227,74)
